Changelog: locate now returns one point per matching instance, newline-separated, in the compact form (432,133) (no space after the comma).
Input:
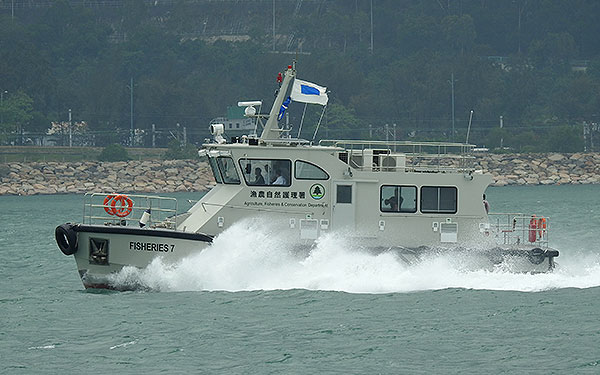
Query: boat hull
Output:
(104,250)
(524,259)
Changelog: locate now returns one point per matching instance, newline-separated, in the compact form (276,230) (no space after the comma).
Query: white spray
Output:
(251,256)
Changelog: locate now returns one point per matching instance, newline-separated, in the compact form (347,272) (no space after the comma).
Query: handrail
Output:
(163,210)
(518,228)
(326,142)
(406,156)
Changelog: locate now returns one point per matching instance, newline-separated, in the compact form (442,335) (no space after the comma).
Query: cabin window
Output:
(397,198)
(266,172)
(215,170)
(227,169)
(308,171)
(344,194)
(437,199)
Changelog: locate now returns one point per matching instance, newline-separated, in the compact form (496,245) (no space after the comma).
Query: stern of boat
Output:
(523,241)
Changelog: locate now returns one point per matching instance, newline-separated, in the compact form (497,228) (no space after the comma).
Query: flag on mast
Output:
(284,107)
(306,92)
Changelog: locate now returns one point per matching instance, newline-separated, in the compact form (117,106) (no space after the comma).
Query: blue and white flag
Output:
(283,108)
(306,92)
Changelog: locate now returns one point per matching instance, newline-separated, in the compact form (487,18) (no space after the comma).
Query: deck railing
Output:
(97,209)
(406,156)
(517,228)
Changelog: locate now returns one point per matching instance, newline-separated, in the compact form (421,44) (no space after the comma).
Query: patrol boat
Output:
(409,198)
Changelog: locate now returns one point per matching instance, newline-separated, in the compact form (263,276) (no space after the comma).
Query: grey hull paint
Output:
(130,247)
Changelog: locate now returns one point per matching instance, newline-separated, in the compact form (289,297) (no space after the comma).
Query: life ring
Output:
(125,205)
(66,238)
(541,224)
(533,229)
(107,207)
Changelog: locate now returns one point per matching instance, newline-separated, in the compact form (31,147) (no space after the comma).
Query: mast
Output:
(272,130)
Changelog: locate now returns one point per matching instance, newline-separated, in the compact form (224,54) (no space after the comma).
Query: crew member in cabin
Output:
(258,177)
(394,202)
(279,179)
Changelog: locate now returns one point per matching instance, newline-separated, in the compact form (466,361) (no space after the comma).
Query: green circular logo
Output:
(317,191)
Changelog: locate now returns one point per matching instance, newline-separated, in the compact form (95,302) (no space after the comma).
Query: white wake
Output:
(249,256)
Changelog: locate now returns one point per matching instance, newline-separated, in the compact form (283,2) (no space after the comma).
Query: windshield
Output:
(215,170)
(227,169)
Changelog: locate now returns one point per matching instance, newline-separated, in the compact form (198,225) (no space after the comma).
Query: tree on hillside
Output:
(554,51)
(341,123)
(576,97)
(510,58)
(459,32)
(16,112)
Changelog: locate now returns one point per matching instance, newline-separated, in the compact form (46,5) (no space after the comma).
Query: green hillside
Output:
(535,63)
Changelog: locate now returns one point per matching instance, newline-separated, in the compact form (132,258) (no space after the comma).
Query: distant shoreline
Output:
(167,176)
(148,176)
(541,169)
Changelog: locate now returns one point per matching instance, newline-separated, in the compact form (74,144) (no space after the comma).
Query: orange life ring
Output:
(541,224)
(107,207)
(125,205)
(533,229)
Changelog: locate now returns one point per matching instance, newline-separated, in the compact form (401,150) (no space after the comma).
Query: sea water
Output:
(247,305)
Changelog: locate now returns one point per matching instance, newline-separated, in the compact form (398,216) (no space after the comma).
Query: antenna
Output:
(469,128)
(319,123)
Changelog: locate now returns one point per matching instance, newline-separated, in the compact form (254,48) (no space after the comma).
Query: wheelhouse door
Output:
(344,205)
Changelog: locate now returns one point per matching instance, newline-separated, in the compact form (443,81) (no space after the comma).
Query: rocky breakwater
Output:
(128,177)
(541,169)
(191,175)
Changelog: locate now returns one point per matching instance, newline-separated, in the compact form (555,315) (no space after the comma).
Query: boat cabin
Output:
(383,191)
